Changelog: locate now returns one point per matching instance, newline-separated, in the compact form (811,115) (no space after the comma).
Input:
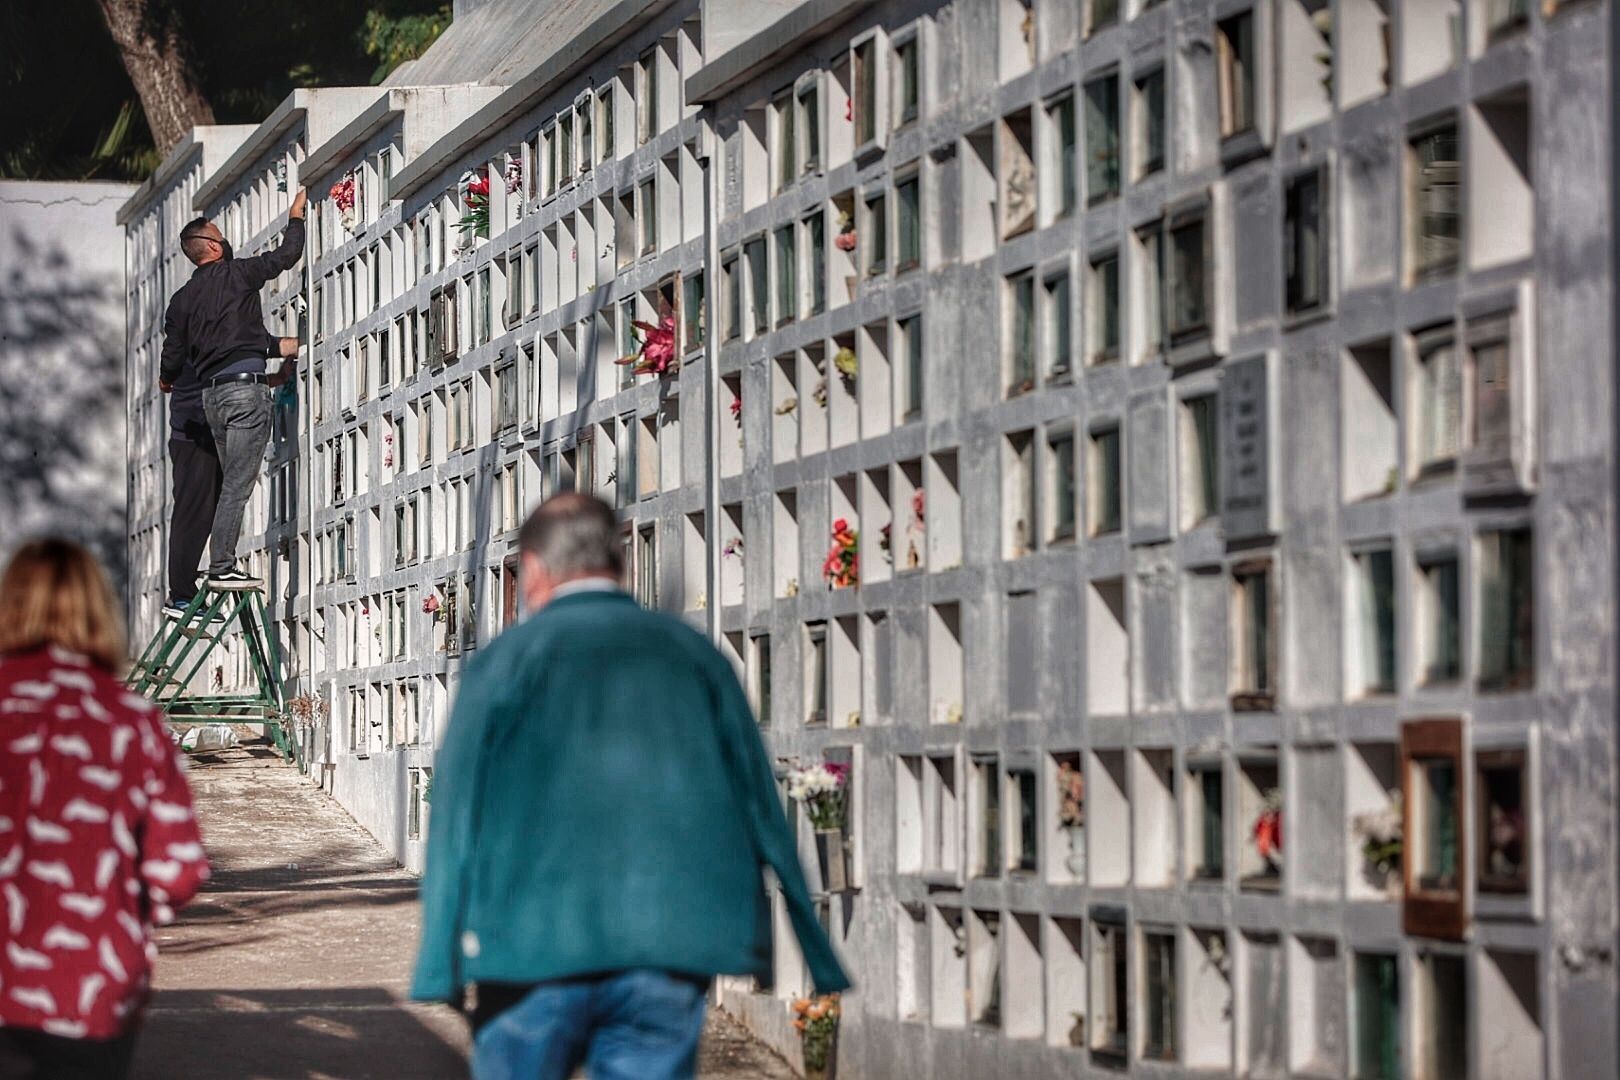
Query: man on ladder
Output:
(215,324)
(194,465)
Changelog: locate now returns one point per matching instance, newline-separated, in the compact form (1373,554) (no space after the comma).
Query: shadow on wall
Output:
(62,447)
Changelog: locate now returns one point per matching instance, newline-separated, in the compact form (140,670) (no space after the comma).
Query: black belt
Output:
(240,376)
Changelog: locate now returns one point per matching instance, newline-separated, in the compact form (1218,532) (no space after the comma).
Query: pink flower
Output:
(342,193)
(736,409)
(845,241)
(657,353)
(842,566)
(431,605)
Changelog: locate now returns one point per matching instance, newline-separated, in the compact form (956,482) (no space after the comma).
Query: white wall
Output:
(62,365)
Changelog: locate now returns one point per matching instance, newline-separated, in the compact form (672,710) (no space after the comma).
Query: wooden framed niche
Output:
(1435,826)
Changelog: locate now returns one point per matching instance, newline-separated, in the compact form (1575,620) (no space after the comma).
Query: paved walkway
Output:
(294,964)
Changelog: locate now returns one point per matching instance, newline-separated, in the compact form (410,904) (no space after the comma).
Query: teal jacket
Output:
(603,801)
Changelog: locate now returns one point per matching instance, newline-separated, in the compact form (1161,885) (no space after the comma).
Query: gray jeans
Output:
(239,416)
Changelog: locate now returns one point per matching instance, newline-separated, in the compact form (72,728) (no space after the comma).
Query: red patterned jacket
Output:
(97,844)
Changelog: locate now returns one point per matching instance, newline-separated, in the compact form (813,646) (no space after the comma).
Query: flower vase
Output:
(1075,863)
(830,854)
(827,1070)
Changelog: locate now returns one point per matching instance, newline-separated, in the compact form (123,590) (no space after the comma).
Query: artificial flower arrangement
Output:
(736,409)
(820,788)
(306,709)
(475,195)
(342,194)
(789,404)
(845,240)
(842,567)
(514,176)
(820,393)
(1382,834)
(431,605)
(816,1021)
(1071,785)
(848,366)
(915,529)
(1267,832)
(388,455)
(733,548)
(656,354)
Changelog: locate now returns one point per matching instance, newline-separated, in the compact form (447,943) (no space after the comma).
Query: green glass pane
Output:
(1214,853)
(1377,1019)
(1440,825)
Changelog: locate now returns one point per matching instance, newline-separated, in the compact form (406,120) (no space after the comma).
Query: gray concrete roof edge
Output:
(600,34)
(732,68)
(269,129)
(323,158)
(189,144)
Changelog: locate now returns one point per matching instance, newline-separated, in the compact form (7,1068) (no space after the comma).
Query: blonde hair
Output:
(54,592)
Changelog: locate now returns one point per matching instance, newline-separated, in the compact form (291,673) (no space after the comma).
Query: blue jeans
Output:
(635,1025)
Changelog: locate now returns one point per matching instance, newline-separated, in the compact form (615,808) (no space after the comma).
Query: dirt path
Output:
(294,964)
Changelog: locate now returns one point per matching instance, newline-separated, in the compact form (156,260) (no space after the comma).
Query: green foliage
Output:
(64,91)
(122,149)
(395,39)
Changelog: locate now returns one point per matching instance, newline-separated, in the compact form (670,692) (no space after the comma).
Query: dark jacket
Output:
(602,801)
(216,318)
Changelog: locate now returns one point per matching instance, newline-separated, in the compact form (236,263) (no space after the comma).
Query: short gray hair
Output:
(573,534)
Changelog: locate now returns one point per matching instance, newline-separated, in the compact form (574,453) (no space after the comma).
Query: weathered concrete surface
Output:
(62,365)
(295,962)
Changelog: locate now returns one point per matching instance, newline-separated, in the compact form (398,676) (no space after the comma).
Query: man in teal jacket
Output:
(602,808)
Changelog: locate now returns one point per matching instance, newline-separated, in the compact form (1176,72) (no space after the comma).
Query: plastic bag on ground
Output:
(209,737)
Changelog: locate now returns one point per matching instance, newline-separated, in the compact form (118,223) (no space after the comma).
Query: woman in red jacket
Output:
(97,839)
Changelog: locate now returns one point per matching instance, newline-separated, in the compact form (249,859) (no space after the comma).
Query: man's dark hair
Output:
(573,534)
(192,239)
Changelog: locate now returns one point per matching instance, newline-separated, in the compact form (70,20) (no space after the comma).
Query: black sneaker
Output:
(176,609)
(233,579)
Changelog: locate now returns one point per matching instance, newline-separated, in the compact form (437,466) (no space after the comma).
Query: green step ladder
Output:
(168,668)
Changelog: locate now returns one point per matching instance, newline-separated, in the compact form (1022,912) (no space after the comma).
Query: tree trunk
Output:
(158,58)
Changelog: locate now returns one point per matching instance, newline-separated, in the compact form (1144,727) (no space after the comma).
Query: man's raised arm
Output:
(285,255)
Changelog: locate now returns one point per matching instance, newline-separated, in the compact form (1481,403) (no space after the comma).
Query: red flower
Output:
(342,193)
(845,241)
(1268,833)
(736,409)
(479,185)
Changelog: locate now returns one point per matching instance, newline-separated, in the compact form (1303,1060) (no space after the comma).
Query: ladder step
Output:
(177,654)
